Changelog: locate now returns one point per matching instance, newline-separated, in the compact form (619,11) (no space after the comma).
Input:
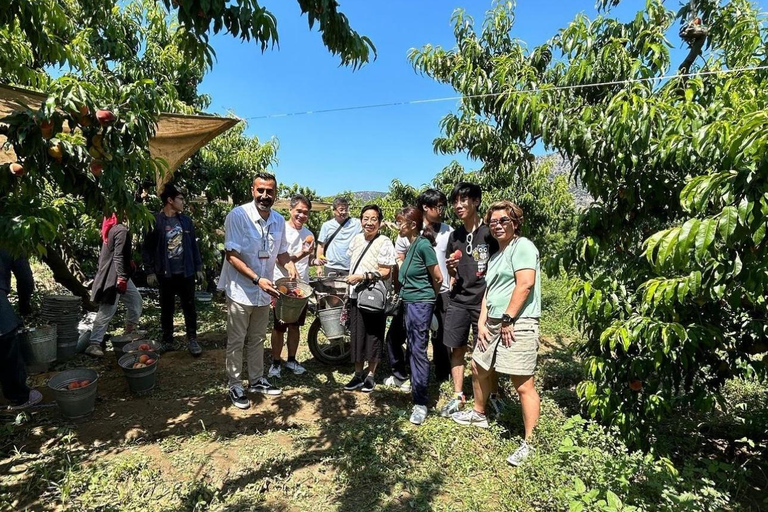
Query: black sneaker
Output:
(194,348)
(239,400)
(356,383)
(264,387)
(368,385)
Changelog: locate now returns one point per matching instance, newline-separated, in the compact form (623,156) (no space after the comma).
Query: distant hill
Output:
(560,167)
(368,195)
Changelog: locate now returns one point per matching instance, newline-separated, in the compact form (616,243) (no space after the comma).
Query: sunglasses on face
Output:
(503,221)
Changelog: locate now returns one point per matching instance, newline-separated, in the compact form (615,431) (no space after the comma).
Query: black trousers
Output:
(184,287)
(396,336)
(13,373)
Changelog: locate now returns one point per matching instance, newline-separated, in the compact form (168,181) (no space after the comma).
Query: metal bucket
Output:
(38,345)
(118,342)
(288,309)
(140,380)
(75,403)
(203,300)
(132,347)
(66,351)
(330,319)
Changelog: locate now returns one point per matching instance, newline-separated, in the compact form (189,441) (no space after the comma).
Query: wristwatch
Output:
(256,280)
(506,319)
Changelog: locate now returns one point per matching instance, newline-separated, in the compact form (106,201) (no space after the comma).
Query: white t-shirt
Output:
(336,253)
(247,233)
(381,253)
(295,239)
(441,240)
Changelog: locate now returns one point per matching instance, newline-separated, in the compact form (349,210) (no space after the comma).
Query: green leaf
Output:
(728,221)
(704,237)
(613,501)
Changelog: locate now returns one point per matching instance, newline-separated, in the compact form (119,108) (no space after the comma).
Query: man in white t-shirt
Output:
(432,202)
(301,245)
(335,236)
(254,240)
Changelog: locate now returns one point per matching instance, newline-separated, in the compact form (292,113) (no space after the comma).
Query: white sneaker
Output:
(393,382)
(523,452)
(295,367)
(470,418)
(274,370)
(419,414)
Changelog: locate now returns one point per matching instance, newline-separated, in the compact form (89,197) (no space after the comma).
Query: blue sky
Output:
(362,149)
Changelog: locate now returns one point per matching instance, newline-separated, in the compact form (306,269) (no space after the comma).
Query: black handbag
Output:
(373,297)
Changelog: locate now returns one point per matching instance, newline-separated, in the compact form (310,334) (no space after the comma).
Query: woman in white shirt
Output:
(372,257)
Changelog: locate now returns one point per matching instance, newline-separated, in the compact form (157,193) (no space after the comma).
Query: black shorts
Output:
(456,325)
(282,327)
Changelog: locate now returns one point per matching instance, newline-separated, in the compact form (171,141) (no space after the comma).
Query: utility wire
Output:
(526,91)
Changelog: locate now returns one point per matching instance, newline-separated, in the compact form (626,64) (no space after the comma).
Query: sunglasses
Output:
(503,221)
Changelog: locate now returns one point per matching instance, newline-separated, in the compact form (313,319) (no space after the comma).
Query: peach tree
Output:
(109,69)
(671,255)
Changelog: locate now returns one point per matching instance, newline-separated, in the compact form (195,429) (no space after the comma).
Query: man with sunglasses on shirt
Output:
(470,247)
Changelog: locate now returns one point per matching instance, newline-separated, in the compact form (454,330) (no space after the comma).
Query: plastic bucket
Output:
(132,347)
(38,345)
(140,380)
(330,320)
(288,309)
(118,342)
(75,403)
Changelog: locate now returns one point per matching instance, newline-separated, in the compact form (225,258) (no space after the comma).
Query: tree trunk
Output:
(67,273)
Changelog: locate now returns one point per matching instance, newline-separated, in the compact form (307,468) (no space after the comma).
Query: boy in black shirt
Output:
(469,249)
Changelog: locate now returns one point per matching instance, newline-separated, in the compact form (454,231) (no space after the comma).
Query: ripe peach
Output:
(309,239)
(73,385)
(145,346)
(635,385)
(105,117)
(96,168)
(17,169)
(46,128)
(150,361)
(84,383)
(143,358)
(139,365)
(283,289)
(456,254)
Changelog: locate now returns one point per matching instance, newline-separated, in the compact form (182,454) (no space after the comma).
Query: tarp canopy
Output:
(177,136)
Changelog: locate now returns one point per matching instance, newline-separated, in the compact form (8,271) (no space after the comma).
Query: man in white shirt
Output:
(334,239)
(432,202)
(301,245)
(254,241)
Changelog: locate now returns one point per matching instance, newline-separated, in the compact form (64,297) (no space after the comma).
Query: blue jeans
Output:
(418,317)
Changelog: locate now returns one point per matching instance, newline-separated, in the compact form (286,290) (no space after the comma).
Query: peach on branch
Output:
(17,169)
(105,117)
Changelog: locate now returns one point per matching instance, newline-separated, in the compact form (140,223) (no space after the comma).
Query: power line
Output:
(525,91)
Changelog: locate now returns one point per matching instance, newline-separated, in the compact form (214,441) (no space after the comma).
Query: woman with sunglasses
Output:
(508,328)
(420,280)
(372,257)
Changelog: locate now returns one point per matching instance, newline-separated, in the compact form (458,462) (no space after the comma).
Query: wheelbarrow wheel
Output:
(327,351)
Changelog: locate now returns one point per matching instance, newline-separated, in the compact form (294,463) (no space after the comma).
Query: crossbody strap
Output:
(330,238)
(363,253)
